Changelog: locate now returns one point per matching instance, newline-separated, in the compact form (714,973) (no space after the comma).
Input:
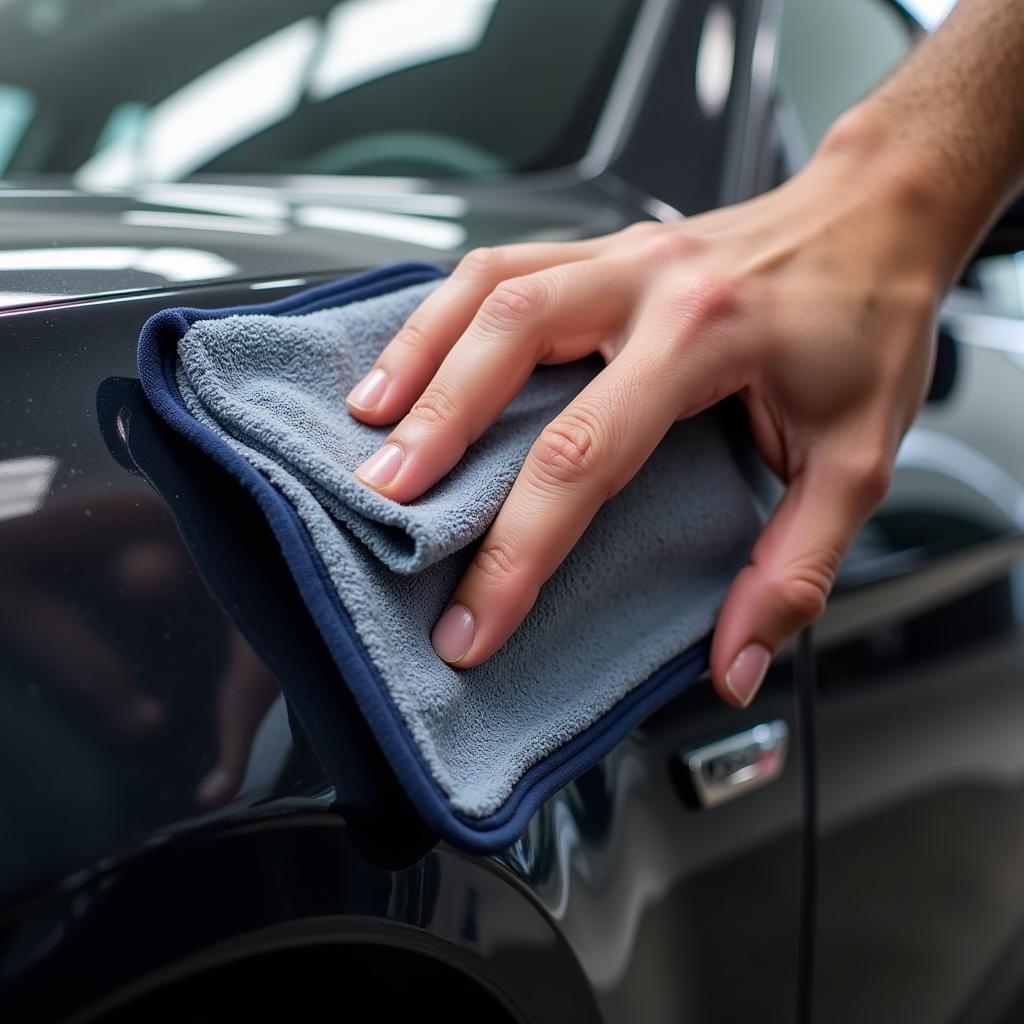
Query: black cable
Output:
(805,677)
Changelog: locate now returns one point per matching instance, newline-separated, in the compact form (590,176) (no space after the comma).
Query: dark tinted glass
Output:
(121,91)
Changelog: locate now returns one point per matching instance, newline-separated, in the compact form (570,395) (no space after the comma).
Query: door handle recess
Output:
(730,767)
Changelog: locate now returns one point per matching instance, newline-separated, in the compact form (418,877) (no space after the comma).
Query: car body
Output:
(877,877)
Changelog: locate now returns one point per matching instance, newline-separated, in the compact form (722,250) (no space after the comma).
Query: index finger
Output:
(408,362)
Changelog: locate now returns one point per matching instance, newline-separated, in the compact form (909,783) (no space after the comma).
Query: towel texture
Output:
(629,605)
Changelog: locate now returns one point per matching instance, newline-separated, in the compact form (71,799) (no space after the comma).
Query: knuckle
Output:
(514,300)
(803,592)
(689,302)
(434,408)
(413,334)
(496,562)
(668,244)
(871,476)
(699,296)
(566,451)
(803,599)
(715,297)
(640,231)
(484,261)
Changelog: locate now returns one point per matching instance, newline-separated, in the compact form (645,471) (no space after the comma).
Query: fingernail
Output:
(380,468)
(453,634)
(369,391)
(747,672)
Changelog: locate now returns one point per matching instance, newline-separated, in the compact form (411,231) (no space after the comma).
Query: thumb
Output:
(792,567)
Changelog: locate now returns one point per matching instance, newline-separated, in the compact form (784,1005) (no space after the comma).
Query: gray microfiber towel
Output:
(637,595)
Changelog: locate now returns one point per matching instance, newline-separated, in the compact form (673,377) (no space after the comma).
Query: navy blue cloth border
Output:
(157,357)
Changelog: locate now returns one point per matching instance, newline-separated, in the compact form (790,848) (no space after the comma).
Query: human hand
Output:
(814,303)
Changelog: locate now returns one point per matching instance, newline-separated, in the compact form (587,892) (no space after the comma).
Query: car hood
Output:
(60,244)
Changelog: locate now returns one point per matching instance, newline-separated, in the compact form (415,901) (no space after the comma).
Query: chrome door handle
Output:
(728,768)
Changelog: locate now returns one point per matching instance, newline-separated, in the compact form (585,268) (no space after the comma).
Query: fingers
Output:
(794,564)
(587,454)
(551,316)
(412,357)
(245,693)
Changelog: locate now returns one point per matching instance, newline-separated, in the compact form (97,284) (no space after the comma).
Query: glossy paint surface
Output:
(60,244)
(170,814)
(148,629)
(921,715)
(114,627)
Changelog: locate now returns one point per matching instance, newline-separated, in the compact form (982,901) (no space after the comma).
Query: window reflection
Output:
(24,484)
(202,222)
(121,92)
(261,85)
(236,99)
(434,234)
(367,39)
(16,109)
(172,264)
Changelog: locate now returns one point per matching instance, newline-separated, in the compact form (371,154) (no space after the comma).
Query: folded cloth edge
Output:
(156,364)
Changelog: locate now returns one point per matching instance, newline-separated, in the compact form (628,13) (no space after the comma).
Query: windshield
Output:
(116,92)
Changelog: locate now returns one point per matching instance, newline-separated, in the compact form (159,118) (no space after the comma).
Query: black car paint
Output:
(166,238)
(127,799)
(621,902)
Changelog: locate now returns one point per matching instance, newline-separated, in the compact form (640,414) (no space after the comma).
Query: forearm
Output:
(947,129)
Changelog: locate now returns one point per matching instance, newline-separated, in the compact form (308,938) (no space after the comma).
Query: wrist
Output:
(871,148)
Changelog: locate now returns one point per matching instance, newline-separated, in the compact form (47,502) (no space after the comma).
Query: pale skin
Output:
(814,303)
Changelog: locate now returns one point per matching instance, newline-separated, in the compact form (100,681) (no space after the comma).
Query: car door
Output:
(920,742)
(919,889)
(678,905)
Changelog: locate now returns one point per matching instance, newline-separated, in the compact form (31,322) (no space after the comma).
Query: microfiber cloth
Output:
(619,629)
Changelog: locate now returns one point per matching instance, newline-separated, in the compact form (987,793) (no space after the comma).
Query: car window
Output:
(122,91)
(831,54)
(16,109)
